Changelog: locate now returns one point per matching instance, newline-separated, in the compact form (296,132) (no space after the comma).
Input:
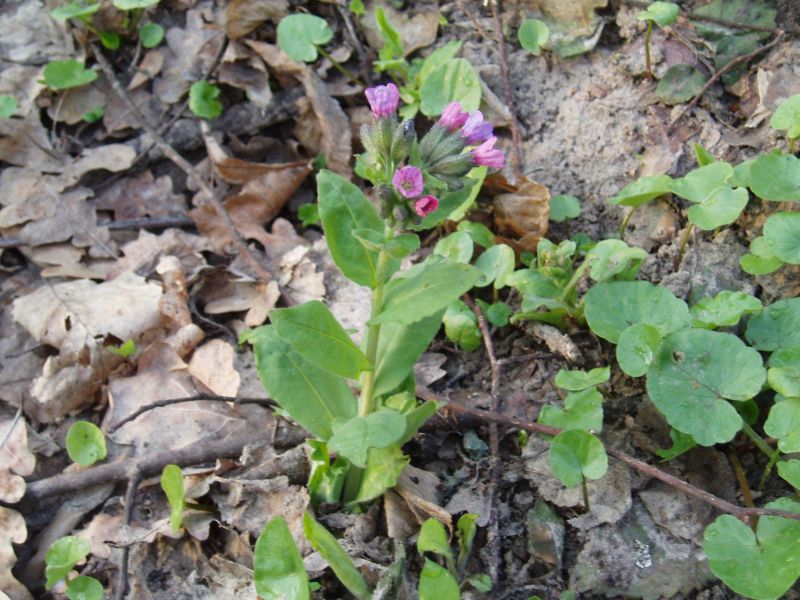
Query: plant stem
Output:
(585,490)
(647,49)
(757,440)
(576,276)
(624,225)
(682,248)
(339,67)
(776,454)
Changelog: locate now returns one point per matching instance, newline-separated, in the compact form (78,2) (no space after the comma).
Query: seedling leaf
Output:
(575,455)
(66,74)
(203,100)
(85,443)
(660,13)
(582,410)
(277,565)
(433,538)
(151,35)
(680,84)
(172,484)
(62,556)
(300,34)
(580,380)
(643,190)
(533,35)
(724,310)
(84,588)
(454,80)
(436,583)
(776,177)
(564,207)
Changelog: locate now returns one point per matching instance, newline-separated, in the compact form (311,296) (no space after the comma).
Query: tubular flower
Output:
(475,129)
(408,181)
(426,205)
(383,100)
(486,155)
(453,117)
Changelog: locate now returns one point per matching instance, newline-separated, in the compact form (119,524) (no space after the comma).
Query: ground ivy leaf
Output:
(782,231)
(660,13)
(776,177)
(582,410)
(354,437)
(496,264)
(580,380)
(777,326)
(533,35)
(783,423)
(722,207)
(85,443)
(612,258)
(637,348)
(203,100)
(300,34)
(693,377)
(643,190)
(575,455)
(62,556)
(458,247)
(787,117)
(278,569)
(724,310)
(455,80)
(763,565)
(789,470)
(680,84)
(613,306)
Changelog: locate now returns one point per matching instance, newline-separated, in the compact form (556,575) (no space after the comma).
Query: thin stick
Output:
(741,478)
(130,496)
(260,272)
(14,422)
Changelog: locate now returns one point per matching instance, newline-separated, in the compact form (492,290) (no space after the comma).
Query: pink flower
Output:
(426,205)
(408,181)
(383,99)
(475,129)
(486,155)
(453,117)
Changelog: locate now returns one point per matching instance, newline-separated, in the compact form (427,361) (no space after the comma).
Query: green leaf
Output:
(533,35)
(785,380)
(437,58)
(74,10)
(660,13)
(433,538)
(384,466)
(308,214)
(278,568)
(575,455)
(312,396)
(724,310)
(789,470)
(680,84)
(425,289)
(497,314)
(203,100)
(466,529)
(782,233)
(84,588)
(356,7)
(564,207)
(399,347)
(66,74)
(62,556)
(392,43)
(580,380)
(125,350)
(324,543)
(481,582)
(480,233)
(343,208)
(734,11)
(354,437)
(643,190)
(94,115)
(613,306)
(402,245)
(761,565)
(455,80)
(109,39)
(704,157)
(695,374)
(778,326)
(762,259)
(151,35)
(436,583)
(461,326)
(776,177)
(637,348)
(611,258)
(133,4)
(723,207)
(700,184)
(85,443)
(787,117)
(326,481)
(300,34)
(783,423)
(681,442)
(458,247)
(496,264)
(8,106)
(582,410)
(416,418)
(318,337)
(454,205)
(172,484)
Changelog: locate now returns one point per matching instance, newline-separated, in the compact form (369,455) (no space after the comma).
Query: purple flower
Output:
(453,117)
(426,205)
(408,181)
(475,129)
(486,155)
(383,99)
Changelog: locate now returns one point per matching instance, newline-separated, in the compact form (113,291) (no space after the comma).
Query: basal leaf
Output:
(455,80)
(637,348)
(278,569)
(384,466)
(722,207)
(433,538)
(783,423)
(580,380)
(85,443)
(172,484)
(354,437)
(299,35)
(776,177)
(778,326)
(782,233)
(699,184)
(723,310)
(582,410)
(643,190)
(496,264)
(62,556)
(575,455)
(461,326)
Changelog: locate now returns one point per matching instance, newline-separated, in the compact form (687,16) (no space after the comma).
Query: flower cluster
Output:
(455,144)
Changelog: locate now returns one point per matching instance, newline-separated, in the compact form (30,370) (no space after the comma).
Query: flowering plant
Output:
(308,362)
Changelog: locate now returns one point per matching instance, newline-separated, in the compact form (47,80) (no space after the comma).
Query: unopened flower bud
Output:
(438,144)
(453,117)
(486,155)
(475,129)
(404,135)
(456,165)
(426,205)
(383,100)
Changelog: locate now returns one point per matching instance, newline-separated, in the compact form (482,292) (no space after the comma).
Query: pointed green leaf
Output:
(353,438)
(433,538)
(172,484)
(436,583)
(278,568)
(643,190)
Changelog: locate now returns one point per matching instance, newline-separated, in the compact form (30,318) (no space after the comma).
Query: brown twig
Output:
(135,477)
(716,76)
(516,140)
(259,271)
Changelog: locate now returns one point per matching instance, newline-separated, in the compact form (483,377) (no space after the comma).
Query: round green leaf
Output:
(457,246)
(778,326)
(8,106)
(133,4)
(723,207)
(660,13)
(614,258)
(62,556)
(74,10)
(84,588)
(203,100)
(643,190)
(776,177)
(637,348)
(278,569)
(761,565)
(694,375)
(581,380)
(789,470)
(785,380)
(461,326)
(787,117)
(455,80)
(782,232)
(300,34)
(680,84)
(496,264)
(724,310)
(66,74)
(783,423)
(533,34)
(582,410)
(758,265)
(700,184)
(85,443)
(575,455)
(151,35)
(564,207)
(612,307)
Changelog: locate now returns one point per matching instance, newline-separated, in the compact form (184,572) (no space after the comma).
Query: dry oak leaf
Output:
(244,16)
(416,32)
(521,215)
(212,365)
(257,298)
(150,66)
(140,196)
(13,529)
(143,254)
(16,461)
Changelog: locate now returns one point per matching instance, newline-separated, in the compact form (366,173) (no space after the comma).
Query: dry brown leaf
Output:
(521,216)
(174,303)
(23,83)
(212,365)
(150,66)
(16,460)
(142,255)
(19,366)
(14,531)
(141,195)
(257,298)
(25,142)
(250,77)
(73,104)
(244,16)
(415,32)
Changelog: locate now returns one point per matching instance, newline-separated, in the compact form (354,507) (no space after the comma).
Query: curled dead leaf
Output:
(16,460)
(521,215)
(244,16)
(212,365)
(13,529)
